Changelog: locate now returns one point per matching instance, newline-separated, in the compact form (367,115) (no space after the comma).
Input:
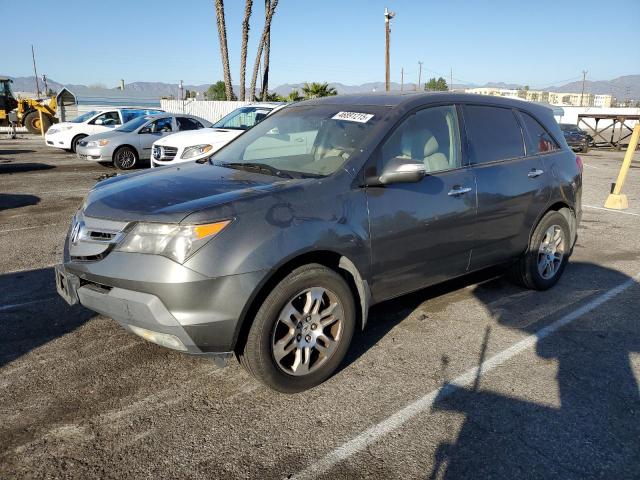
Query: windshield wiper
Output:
(254,165)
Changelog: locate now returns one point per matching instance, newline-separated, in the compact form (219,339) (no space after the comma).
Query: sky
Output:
(536,43)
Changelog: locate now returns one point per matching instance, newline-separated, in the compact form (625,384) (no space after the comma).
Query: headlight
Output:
(177,242)
(196,150)
(98,143)
(51,131)
(66,127)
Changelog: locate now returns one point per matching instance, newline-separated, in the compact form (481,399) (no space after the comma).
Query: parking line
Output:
(372,434)
(17,305)
(29,228)
(612,210)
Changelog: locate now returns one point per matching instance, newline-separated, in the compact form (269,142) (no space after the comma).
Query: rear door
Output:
(421,233)
(513,186)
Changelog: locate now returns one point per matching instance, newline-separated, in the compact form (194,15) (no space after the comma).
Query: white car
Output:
(66,135)
(188,146)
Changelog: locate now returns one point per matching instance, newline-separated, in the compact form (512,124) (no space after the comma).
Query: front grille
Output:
(164,153)
(92,239)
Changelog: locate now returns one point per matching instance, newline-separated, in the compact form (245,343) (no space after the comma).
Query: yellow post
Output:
(41,122)
(617,200)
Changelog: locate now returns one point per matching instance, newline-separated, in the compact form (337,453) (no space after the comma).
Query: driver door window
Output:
(162,125)
(430,136)
(107,119)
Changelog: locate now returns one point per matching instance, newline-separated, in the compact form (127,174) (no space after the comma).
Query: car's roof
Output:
(414,99)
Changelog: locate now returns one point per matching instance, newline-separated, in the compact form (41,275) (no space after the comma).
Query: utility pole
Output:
(419,86)
(387,29)
(584,76)
(46,87)
(402,79)
(180,87)
(35,72)
(450,79)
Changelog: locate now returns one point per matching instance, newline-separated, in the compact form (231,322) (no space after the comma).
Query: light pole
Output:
(387,28)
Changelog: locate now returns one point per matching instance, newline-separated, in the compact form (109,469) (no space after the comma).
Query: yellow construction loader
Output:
(36,115)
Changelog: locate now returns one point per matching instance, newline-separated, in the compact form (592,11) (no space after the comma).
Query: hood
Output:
(204,135)
(100,136)
(170,194)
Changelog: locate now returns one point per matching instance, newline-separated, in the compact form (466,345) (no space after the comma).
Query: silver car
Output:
(128,145)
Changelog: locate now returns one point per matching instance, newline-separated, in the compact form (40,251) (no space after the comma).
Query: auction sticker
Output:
(353,117)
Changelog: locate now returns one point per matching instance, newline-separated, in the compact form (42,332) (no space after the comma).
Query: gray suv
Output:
(275,247)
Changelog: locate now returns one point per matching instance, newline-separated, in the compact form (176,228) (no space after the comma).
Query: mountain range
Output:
(625,87)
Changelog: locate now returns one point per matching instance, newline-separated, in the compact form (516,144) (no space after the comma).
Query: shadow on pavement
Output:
(32,314)
(8,168)
(9,201)
(595,431)
(15,152)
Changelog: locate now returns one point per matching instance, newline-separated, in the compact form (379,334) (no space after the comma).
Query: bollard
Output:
(41,123)
(617,200)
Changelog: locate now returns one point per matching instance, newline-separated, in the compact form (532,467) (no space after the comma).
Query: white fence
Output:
(209,110)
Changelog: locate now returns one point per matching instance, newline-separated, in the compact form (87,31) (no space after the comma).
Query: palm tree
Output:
(243,52)
(265,34)
(316,90)
(266,53)
(224,52)
(294,96)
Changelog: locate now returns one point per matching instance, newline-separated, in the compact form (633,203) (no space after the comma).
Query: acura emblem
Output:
(75,232)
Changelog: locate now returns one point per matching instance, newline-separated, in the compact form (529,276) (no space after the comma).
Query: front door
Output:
(421,233)
(152,132)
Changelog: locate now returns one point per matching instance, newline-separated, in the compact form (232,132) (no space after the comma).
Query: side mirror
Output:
(145,130)
(402,170)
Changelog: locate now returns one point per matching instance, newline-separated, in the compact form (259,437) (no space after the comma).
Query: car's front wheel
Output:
(125,158)
(541,266)
(302,330)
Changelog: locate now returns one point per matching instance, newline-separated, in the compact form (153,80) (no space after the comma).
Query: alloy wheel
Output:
(308,331)
(551,252)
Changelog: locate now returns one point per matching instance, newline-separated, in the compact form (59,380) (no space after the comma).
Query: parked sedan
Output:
(66,135)
(128,145)
(576,138)
(193,145)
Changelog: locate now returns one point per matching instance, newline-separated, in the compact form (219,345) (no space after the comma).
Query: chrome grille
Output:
(92,238)
(164,153)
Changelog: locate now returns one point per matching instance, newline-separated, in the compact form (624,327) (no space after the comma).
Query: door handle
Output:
(535,173)
(455,191)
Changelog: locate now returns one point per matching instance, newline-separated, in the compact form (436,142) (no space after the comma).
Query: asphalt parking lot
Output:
(556,395)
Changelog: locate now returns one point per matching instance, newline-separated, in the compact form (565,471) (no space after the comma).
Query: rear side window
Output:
(494,133)
(185,123)
(538,139)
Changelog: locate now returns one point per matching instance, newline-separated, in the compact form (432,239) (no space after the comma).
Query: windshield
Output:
(314,140)
(134,124)
(243,118)
(84,117)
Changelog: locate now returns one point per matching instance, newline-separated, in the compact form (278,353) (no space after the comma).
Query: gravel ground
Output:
(559,397)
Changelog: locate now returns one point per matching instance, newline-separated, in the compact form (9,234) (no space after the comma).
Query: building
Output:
(553,98)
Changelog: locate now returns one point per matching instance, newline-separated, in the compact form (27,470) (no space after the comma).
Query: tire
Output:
(32,122)
(125,158)
(298,290)
(530,270)
(75,140)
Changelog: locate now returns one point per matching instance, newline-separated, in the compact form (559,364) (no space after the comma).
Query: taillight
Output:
(579,163)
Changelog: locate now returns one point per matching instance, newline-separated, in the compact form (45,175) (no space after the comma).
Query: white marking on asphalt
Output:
(372,434)
(612,210)
(29,228)
(591,166)
(17,305)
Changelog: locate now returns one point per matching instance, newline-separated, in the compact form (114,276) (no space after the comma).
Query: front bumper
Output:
(94,154)
(58,140)
(159,295)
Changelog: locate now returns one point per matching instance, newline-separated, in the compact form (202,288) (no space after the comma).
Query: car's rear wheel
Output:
(542,265)
(125,158)
(302,330)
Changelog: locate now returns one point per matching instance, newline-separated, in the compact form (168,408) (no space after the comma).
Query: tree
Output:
(224,52)
(439,85)
(217,91)
(243,49)
(267,46)
(265,33)
(316,90)
(294,96)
